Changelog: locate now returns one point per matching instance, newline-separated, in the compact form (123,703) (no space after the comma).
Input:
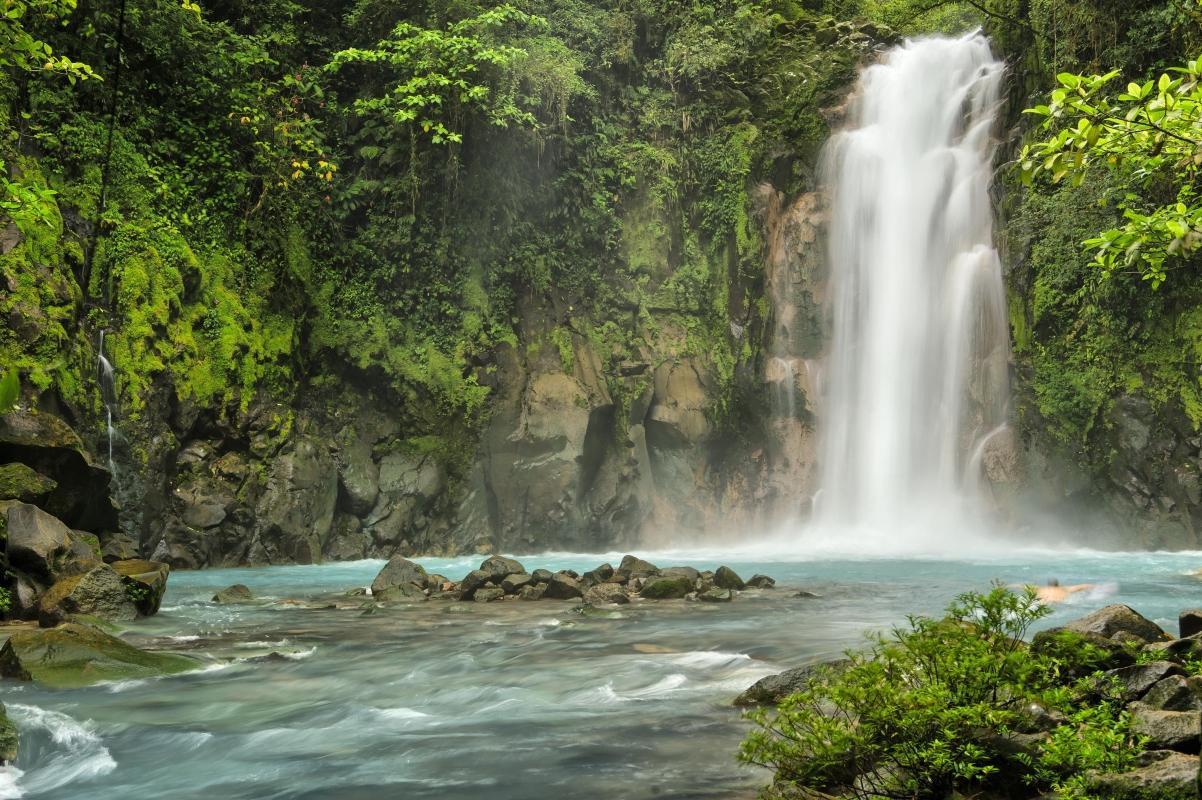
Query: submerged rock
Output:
(78,655)
(238,593)
(99,593)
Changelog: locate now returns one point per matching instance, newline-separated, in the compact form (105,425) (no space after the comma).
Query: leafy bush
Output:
(939,707)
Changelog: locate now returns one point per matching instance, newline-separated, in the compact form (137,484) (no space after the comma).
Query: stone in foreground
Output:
(397,571)
(1160,775)
(77,655)
(1118,621)
(606,594)
(1167,730)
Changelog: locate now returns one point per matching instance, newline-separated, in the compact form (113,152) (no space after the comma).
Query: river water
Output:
(504,700)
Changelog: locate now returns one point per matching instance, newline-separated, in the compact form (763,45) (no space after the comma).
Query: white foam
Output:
(708,659)
(79,754)
(10,786)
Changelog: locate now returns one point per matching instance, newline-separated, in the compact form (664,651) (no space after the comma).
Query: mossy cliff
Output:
(334,336)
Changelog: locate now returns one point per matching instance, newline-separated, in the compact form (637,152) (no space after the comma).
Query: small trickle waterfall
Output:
(917,374)
(108,395)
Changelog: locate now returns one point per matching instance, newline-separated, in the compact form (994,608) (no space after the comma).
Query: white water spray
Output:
(918,362)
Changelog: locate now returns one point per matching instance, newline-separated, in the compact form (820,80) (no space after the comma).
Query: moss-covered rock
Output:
(21,482)
(78,655)
(666,588)
(100,592)
(8,738)
(145,582)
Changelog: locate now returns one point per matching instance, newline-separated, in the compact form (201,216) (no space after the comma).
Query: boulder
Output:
(8,738)
(98,593)
(37,542)
(1167,730)
(680,572)
(541,575)
(145,582)
(1177,649)
(399,570)
(637,567)
(599,575)
(659,588)
(77,655)
(1176,693)
(238,593)
(716,594)
(727,578)
(497,567)
(532,591)
(774,688)
(119,547)
(512,584)
(473,581)
(606,594)
(563,586)
(486,594)
(760,582)
(1107,653)
(1134,681)
(1117,619)
(403,592)
(1189,622)
(24,484)
(1159,775)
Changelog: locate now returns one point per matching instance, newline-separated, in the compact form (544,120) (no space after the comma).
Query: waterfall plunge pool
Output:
(504,700)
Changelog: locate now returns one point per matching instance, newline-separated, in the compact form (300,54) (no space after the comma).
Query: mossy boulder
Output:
(78,655)
(238,593)
(666,588)
(145,582)
(21,482)
(100,592)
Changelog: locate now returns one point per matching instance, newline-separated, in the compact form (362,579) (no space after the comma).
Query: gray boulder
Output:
(680,572)
(563,586)
(541,575)
(399,570)
(486,594)
(1167,730)
(532,591)
(497,567)
(1189,622)
(145,582)
(512,584)
(473,581)
(1134,681)
(606,594)
(1176,693)
(716,594)
(637,567)
(99,592)
(1159,775)
(37,542)
(237,593)
(599,575)
(761,582)
(727,578)
(1116,620)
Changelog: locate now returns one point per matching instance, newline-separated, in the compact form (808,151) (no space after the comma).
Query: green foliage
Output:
(1152,135)
(922,713)
(10,390)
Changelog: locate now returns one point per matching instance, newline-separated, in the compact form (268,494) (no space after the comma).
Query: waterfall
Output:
(108,395)
(917,374)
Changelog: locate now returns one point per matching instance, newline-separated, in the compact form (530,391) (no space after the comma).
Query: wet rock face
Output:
(98,593)
(77,655)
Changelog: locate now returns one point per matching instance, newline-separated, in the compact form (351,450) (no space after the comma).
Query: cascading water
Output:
(108,395)
(918,363)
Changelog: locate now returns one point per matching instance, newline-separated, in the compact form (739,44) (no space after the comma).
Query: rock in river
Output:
(238,593)
(666,588)
(774,688)
(78,655)
(397,571)
(100,592)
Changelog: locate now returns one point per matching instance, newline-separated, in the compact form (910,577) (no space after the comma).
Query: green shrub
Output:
(935,707)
